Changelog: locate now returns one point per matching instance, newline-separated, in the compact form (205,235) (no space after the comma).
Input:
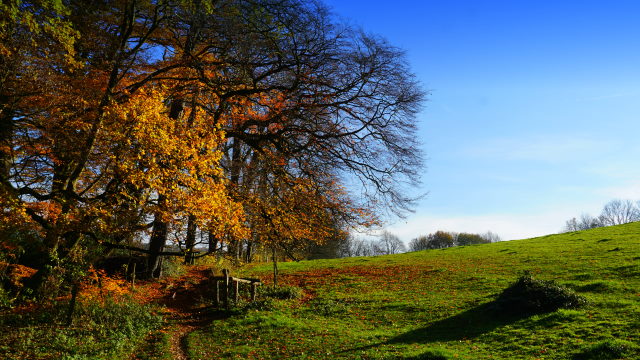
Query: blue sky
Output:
(534,111)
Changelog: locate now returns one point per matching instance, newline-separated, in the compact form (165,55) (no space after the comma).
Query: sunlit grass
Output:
(434,305)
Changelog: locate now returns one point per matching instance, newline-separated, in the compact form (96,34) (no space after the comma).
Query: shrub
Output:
(532,296)
(282,292)
(605,350)
(173,266)
(260,305)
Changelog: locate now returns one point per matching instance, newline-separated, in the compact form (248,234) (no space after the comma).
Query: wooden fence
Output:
(228,287)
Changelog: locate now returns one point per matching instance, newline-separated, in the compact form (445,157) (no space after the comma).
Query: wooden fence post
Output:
(217,282)
(253,291)
(236,291)
(225,288)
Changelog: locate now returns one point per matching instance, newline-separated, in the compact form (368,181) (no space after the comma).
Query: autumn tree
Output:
(93,149)
(437,240)
(318,100)
(125,122)
(299,97)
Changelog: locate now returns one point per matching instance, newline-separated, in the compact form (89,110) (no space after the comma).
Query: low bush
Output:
(282,292)
(267,304)
(532,296)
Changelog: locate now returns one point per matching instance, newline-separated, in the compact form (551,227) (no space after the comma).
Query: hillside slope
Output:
(434,305)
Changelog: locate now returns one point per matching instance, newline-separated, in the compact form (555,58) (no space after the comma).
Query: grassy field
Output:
(436,304)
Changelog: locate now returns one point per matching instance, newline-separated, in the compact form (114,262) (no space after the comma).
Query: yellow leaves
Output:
(176,159)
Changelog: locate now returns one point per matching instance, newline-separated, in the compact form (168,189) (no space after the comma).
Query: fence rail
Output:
(230,288)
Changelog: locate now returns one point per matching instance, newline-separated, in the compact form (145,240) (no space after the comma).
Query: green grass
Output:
(109,330)
(437,304)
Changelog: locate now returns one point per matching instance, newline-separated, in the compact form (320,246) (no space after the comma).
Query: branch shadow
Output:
(466,325)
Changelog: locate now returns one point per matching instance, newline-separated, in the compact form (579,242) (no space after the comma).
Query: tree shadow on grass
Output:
(466,325)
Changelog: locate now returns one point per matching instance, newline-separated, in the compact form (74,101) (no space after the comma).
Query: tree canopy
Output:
(126,124)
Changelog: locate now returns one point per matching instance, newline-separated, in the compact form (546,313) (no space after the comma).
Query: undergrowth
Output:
(106,329)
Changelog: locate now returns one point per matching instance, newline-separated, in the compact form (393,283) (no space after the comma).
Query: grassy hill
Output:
(436,304)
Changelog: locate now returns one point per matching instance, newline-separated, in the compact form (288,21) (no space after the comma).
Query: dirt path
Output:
(183,298)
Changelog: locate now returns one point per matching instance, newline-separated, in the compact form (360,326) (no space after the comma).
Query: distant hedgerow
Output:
(532,296)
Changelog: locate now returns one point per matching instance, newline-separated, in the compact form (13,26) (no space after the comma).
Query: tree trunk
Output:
(212,245)
(249,252)
(160,230)
(275,267)
(158,240)
(190,240)
(72,303)
(6,134)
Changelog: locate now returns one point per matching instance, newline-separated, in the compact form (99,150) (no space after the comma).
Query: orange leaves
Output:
(97,286)
(15,273)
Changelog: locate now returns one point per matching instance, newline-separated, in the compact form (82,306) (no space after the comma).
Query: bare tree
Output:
(617,212)
(571,225)
(389,244)
(491,237)
(356,246)
(419,243)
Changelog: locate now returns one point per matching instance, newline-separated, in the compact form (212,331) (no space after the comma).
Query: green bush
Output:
(532,296)
(282,292)
(267,304)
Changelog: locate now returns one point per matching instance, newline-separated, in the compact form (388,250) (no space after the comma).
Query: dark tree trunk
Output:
(275,267)
(249,252)
(158,240)
(212,245)
(160,227)
(6,134)
(190,240)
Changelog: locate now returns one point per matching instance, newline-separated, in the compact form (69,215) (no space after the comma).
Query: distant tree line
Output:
(387,244)
(615,212)
(443,239)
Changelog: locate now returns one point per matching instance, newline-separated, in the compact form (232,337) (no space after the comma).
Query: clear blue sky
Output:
(534,112)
